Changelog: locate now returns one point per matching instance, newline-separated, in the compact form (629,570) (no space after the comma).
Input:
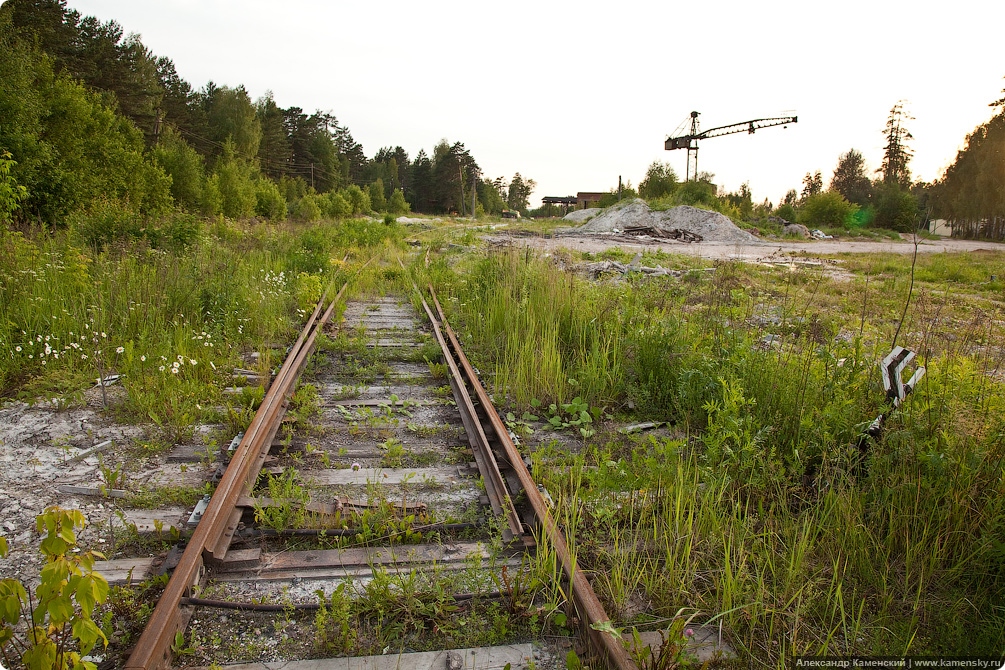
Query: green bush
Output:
(377,200)
(237,186)
(212,199)
(307,209)
(337,207)
(185,167)
(397,204)
(896,209)
(826,209)
(787,212)
(269,201)
(660,181)
(357,199)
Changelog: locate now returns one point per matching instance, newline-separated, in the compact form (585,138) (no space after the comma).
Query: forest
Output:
(90,115)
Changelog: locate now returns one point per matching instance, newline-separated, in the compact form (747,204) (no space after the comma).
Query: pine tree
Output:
(896,153)
(850,179)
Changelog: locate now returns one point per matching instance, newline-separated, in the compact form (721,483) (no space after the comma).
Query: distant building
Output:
(586,199)
(939,227)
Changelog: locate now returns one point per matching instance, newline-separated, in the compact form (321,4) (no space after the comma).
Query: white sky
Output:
(573,94)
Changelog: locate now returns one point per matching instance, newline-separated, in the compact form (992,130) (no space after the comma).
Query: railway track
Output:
(383,472)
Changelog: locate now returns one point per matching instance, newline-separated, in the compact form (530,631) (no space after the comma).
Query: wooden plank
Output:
(148,520)
(118,571)
(442,475)
(92,491)
(239,559)
(341,573)
(322,559)
(316,507)
(376,402)
(515,656)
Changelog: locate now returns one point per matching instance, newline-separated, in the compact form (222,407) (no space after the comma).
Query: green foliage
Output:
(697,193)
(969,194)
(212,198)
(236,182)
(58,618)
(269,201)
(896,208)
(185,167)
(660,181)
(357,199)
(828,208)
(70,148)
(850,179)
(11,193)
(786,212)
(377,200)
(307,209)
(111,221)
(518,194)
(337,207)
(397,204)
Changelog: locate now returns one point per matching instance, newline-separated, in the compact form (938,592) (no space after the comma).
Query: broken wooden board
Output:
(121,571)
(99,491)
(513,656)
(356,557)
(418,476)
(152,520)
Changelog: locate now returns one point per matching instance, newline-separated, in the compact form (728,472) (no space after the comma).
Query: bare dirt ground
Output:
(765,250)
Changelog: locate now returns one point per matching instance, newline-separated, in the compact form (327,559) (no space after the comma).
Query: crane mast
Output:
(689,141)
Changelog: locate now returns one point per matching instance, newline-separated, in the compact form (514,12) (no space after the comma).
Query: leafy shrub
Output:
(58,618)
(237,186)
(10,192)
(786,212)
(660,181)
(269,201)
(357,199)
(307,209)
(212,199)
(185,167)
(377,200)
(826,209)
(896,209)
(397,204)
(337,206)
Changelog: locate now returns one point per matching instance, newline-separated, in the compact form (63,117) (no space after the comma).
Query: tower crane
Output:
(689,141)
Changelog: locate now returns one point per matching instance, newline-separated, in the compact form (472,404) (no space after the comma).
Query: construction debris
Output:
(595,270)
(636,214)
(662,234)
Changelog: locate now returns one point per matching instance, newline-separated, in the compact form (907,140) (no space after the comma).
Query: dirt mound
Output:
(710,226)
(581,215)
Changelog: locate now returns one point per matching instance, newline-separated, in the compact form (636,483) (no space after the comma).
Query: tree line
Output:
(971,193)
(87,113)
(852,198)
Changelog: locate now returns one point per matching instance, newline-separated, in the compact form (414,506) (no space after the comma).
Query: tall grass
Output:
(166,317)
(765,514)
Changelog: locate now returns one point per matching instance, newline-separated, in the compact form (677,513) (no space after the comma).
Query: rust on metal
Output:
(585,599)
(212,537)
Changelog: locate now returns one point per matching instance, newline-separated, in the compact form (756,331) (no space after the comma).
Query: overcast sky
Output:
(574,94)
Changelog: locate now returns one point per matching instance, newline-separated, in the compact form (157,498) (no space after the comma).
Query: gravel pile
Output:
(581,215)
(711,226)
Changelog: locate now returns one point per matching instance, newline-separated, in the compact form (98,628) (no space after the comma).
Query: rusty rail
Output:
(585,600)
(213,535)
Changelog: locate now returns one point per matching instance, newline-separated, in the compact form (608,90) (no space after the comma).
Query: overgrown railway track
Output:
(423,494)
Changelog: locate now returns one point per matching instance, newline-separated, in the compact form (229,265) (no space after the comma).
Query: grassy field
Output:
(753,506)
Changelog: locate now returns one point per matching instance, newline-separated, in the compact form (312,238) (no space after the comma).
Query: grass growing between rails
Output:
(166,313)
(766,513)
